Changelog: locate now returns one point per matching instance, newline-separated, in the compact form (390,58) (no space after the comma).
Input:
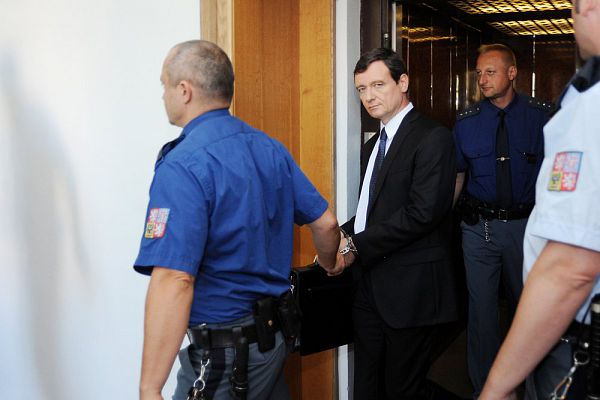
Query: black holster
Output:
(289,315)
(264,318)
(272,314)
(468,209)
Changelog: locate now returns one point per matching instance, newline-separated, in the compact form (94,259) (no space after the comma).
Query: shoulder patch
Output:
(469,112)
(565,171)
(157,223)
(546,106)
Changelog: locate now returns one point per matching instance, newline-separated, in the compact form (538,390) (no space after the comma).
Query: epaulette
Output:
(546,106)
(469,112)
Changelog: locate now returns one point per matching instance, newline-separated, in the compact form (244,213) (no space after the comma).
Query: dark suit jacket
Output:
(406,243)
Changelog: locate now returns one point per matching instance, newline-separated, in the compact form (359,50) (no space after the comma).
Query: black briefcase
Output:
(326,305)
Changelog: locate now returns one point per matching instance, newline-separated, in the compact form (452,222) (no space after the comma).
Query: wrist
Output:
(493,392)
(149,391)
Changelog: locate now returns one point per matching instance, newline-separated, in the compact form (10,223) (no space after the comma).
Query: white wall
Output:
(347,110)
(81,121)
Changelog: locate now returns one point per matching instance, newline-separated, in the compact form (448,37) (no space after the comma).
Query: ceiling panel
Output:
(524,17)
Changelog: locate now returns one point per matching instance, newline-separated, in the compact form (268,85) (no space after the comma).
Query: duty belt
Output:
(576,332)
(207,338)
(515,212)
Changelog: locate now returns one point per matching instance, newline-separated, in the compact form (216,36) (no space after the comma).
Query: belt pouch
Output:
(467,209)
(289,316)
(264,318)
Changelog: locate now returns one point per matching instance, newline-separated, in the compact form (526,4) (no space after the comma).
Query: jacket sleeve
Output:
(348,227)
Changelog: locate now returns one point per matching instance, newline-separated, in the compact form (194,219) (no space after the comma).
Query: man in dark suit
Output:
(399,240)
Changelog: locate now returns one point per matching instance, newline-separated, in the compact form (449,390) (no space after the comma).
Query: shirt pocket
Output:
(525,160)
(481,159)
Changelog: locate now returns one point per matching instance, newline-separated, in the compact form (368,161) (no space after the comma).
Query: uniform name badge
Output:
(157,223)
(565,171)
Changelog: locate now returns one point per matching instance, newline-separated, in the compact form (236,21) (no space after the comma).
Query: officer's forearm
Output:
(168,304)
(558,284)
(326,237)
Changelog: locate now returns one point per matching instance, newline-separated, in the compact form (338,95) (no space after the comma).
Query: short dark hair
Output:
(390,58)
(509,55)
(205,65)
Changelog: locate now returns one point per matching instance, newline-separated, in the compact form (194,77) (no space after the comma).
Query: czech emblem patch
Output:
(565,171)
(157,223)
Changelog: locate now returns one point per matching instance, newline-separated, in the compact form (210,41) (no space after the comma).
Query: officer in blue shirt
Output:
(218,241)
(499,143)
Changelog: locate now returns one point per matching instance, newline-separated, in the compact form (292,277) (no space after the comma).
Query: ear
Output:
(185,90)
(403,82)
(512,72)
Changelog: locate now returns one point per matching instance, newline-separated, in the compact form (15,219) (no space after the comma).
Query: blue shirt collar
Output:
(167,147)
(201,118)
(510,106)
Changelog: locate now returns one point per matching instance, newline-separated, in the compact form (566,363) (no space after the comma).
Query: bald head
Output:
(205,66)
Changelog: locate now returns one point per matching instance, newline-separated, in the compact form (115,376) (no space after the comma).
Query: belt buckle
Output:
(503,215)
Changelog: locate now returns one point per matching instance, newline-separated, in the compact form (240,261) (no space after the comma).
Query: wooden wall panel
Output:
(555,64)
(248,67)
(316,98)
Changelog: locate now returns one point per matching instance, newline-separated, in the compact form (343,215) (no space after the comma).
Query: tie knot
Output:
(501,113)
(383,135)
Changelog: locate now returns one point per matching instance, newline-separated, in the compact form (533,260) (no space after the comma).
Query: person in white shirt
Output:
(562,239)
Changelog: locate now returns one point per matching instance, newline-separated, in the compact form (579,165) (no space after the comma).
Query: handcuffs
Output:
(349,247)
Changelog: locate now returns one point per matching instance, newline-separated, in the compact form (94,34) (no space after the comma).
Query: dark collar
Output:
(584,79)
(588,75)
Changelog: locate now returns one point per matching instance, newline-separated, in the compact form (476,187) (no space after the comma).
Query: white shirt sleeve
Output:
(568,186)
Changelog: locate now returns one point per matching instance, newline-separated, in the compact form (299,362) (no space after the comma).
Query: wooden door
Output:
(282,52)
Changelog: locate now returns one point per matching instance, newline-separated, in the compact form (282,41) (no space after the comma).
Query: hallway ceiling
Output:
(512,17)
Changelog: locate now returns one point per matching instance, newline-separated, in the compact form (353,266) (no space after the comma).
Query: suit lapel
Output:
(403,131)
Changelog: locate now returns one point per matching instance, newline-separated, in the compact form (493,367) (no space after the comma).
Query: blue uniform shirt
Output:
(223,203)
(475,137)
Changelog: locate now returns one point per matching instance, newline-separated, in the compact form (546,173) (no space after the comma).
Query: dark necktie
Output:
(503,177)
(378,162)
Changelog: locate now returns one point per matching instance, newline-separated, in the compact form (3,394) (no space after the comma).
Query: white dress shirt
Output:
(363,202)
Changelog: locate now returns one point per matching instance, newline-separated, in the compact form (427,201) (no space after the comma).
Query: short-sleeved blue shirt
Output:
(475,138)
(222,207)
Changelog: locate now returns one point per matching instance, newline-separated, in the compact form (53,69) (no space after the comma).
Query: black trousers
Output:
(388,363)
